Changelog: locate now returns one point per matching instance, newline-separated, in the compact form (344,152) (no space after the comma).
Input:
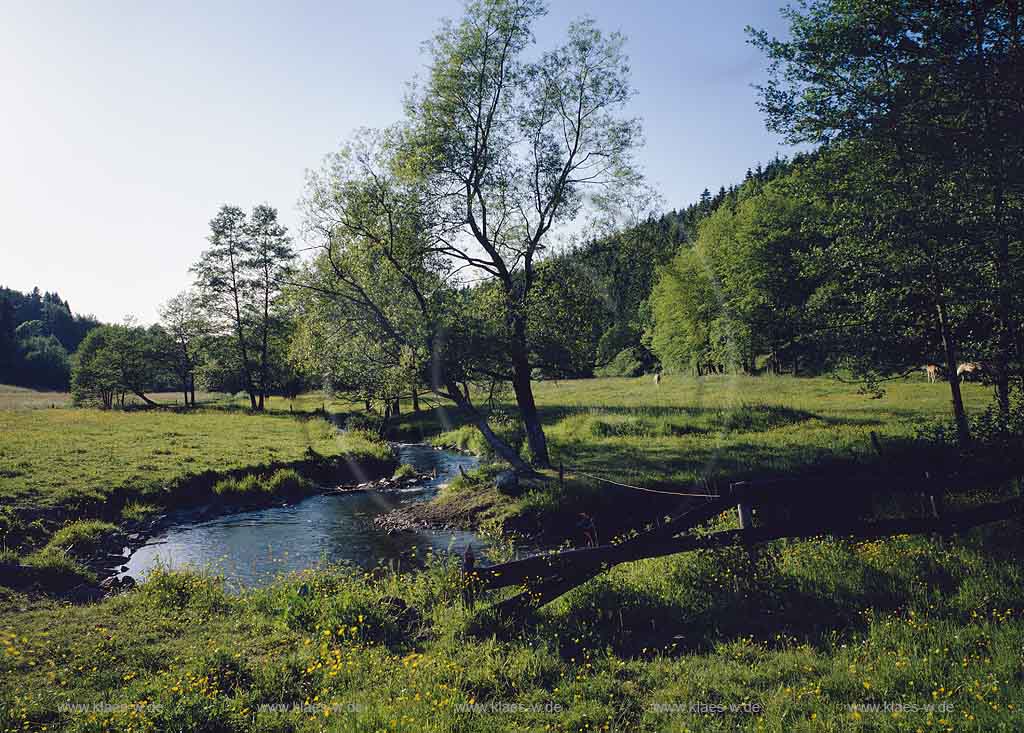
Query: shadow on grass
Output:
(756,601)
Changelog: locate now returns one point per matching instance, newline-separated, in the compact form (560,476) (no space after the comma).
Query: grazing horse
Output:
(657,379)
(933,372)
(970,368)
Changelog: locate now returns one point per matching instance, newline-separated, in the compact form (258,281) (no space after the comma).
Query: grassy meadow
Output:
(74,458)
(791,643)
(687,431)
(70,478)
(903,634)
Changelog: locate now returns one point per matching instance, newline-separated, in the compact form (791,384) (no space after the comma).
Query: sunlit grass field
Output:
(68,457)
(714,427)
(731,426)
(793,637)
(685,432)
(789,643)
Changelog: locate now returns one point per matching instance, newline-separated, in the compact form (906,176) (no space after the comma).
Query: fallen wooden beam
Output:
(518,571)
(568,570)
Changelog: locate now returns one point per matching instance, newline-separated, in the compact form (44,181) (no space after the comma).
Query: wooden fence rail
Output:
(547,577)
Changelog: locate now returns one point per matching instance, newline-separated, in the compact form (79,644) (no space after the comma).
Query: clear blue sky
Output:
(124,126)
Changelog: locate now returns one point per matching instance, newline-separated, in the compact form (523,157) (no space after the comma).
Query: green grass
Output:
(404,471)
(62,463)
(706,431)
(730,426)
(799,630)
(72,457)
(805,632)
(138,511)
(23,398)
(283,483)
(82,537)
(57,569)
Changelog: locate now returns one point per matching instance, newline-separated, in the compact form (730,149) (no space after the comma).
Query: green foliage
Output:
(625,364)
(920,175)
(239,279)
(613,342)
(404,471)
(82,537)
(114,361)
(37,332)
(44,363)
(139,511)
(742,289)
(563,320)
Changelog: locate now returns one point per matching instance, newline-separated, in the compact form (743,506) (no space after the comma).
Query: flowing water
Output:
(250,548)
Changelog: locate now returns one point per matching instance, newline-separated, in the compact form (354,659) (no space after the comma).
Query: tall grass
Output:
(792,638)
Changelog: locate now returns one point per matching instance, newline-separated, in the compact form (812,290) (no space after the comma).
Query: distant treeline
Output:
(38,331)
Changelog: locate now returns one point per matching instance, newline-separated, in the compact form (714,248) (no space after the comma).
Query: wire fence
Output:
(602,479)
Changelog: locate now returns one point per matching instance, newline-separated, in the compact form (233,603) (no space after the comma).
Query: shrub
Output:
(404,471)
(137,511)
(287,482)
(625,364)
(82,537)
(58,569)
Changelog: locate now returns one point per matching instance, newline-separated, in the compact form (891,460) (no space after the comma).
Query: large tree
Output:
(508,147)
(113,361)
(241,278)
(931,96)
(379,308)
(270,258)
(186,326)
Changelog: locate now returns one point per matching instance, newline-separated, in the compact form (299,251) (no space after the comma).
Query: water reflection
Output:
(250,548)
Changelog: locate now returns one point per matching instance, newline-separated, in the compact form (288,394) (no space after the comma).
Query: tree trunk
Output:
(240,332)
(500,447)
(963,432)
(192,385)
(415,399)
(142,397)
(1004,310)
(535,437)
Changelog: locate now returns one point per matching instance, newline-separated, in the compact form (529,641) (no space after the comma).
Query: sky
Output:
(124,126)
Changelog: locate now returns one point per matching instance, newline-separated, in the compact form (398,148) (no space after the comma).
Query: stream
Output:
(251,548)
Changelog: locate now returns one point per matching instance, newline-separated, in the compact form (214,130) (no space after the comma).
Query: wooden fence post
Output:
(739,489)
